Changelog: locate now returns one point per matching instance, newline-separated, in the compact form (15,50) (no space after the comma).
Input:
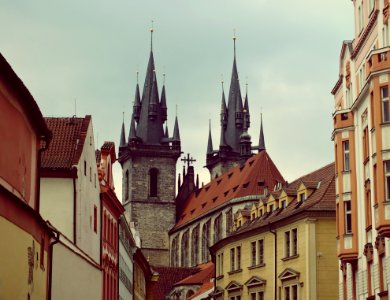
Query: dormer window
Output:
(283,204)
(302,197)
(271,208)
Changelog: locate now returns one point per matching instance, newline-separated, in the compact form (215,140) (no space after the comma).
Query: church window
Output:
(127,185)
(184,249)
(218,228)
(153,182)
(174,252)
(195,246)
(205,242)
(229,221)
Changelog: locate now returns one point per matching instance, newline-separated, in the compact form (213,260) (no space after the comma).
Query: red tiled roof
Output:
(168,276)
(205,274)
(67,144)
(258,172)
(321,199)
(205,287)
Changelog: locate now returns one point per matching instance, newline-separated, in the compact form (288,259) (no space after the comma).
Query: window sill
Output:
(290,257)
(346,171)
(219,277)
(385,124)
(235,271)
(349,234)
(256,266)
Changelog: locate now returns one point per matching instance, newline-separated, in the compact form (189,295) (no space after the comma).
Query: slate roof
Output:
(67,143)
(322,199)
(258,172)
(168,276)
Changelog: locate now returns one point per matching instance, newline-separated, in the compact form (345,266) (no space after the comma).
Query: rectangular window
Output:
(85,168)
(261,252)
(387,179)
(385,104)
(253,252)
(238,257)
(90,174)
(360,21)
(232,259)
(42,253)
(348,217)
(365,143)
(302,197)
(346,155)
(294,242)
(283,204)
(291,292)
(253,296)
(271,207)
(287,293)
(95,218)
(287,243)
(261,295)
(368,205)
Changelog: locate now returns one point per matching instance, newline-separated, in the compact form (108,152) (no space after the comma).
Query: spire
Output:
(166,134)
(123,139)
(224,119)
(163,103)
(246,108)
(137,102)
(234,108)
(176,132)
(210,141)
(151,37)
(132,134)
(261,139)
(153,102)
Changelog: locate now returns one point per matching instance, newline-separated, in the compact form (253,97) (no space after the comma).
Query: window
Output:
(387,179)
(360,20)
(365,144)
(368,204)
(257,253)
(291,243)
(174,252)
(385,104)
(254,254)
(261,252)
(232,259)
(238,257)
(218,228)
(346,155)
(271,207)
(184,249)
(195,245)
(348,217)
(283,204)
(220,264)
(302,197)
(153,182)
(370,6)
(95,218)
(291,292)
(42,253)
(205,241)
(90,174)
(127,185)
(229,221)
(85,168)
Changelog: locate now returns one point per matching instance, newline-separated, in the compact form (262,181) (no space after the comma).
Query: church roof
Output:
(251,178)
(321,199)
(67,143)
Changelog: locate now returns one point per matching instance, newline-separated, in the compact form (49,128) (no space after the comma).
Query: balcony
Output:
(378,61)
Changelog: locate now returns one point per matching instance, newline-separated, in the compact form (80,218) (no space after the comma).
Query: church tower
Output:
(148,159)
(235,120)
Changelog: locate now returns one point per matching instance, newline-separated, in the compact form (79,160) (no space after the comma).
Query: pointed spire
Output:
(246,107)
(163,103)
(166,134)
(123,138)
(210,141)
(151,36)
(261,139)
(176,132)
(223,109)
(132,132)
(137,102)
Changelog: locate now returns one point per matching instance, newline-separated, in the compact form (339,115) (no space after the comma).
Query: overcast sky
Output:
(91,50)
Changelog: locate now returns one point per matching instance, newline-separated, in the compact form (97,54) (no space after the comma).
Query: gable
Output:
(288,274)
(233,285)
(255,281)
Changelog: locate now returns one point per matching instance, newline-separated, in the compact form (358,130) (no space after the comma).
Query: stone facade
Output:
(153,216)
(222,167)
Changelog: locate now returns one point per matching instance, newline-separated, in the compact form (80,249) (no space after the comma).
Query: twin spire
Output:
(150,110)
(235,116)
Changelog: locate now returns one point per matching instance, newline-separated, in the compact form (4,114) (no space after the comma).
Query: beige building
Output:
(283,246)
(362,149)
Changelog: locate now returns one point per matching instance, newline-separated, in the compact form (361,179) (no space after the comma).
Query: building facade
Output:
(112,209)
(26,251)
(148,159)
(283,246)
(70,201)
(362,149)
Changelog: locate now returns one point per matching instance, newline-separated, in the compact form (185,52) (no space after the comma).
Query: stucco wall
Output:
(14,265)
(57,203)
(73,277)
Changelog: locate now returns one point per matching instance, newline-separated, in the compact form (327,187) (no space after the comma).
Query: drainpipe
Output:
(275,259)
(52,243)
(74,175)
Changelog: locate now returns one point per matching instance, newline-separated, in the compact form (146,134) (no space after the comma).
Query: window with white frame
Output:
(257,253)
(387,179)
(220,264)
(385,104)
(302,197)
(257,296)
(348,217)
(360,19)
(346,155)
(290,292)
(235,259)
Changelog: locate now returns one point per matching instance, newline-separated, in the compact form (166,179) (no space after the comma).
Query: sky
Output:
(89,52)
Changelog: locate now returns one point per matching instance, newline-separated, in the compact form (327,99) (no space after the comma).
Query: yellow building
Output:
(362,149)
(283,247)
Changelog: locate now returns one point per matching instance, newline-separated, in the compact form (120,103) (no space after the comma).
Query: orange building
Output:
(362,148)
(25,253)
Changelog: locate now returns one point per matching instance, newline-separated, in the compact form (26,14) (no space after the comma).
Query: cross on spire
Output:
(189,160)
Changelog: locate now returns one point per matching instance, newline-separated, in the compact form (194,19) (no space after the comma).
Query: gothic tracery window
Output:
(184,249)
(195,246)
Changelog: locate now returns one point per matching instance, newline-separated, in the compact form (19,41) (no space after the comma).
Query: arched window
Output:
(174,250)
(127,185)
(195,246)
(184,249)
(205,242)
(153,182)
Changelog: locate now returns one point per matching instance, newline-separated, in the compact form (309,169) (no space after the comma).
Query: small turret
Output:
(261,139)
(210,141)
(163,103)
(122,142)
(153,103)
(137,103)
